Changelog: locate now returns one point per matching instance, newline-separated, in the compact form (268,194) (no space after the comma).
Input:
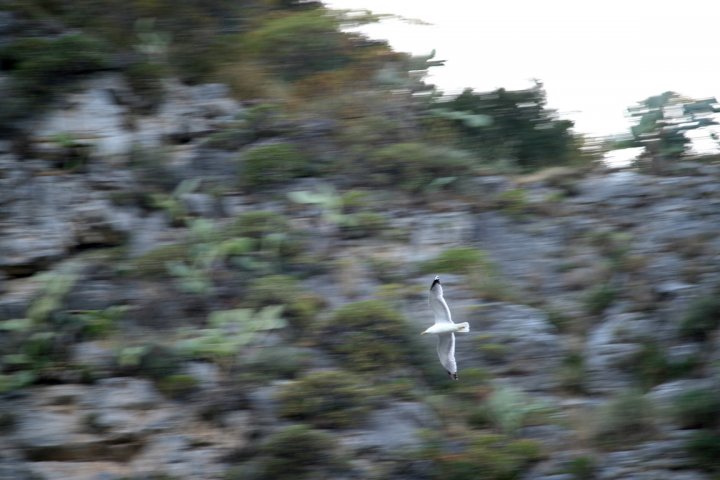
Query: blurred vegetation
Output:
(326,399)
(652,366)
(294,452)
(698,409)
(664,120)
(486,457)
(514,126)
(320,102)
(300,306)
(297,61)
(271,164)
(628,417)
(369,336)
(37,347)
(702,318)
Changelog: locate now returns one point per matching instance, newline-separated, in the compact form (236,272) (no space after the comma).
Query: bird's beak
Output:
(423,333)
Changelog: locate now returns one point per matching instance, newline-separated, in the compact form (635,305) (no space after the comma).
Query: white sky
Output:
(594,58)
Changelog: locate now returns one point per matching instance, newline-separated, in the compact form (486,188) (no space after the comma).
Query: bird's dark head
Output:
(435,282)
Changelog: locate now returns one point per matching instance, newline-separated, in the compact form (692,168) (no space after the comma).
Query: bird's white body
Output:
(444,328)
(448,328)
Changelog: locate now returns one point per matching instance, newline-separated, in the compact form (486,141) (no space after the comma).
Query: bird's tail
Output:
(463,327)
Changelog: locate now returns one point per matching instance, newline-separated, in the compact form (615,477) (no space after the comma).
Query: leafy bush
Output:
(37,346)
(652,367)
(296,452)
(271,164)
(257,224)
(698,409)
(276,245)
(627,418)
(488,457)
(415,166)
(509,409)
(300,306)
(146,81)
(229,139)
(702,317)
(326,399)
(299,44)
(457,260)
(369,336)
(153,263)
(279,362)
(151,360)
(228,331)
(572,373)
(39,65)
(41,68)
(514,132)
(581,468)
(514,202)
(363,224)
(177,386)
(704,448)
(599,298)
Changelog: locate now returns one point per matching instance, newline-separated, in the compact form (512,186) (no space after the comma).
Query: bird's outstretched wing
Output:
(446,352)
(437,303)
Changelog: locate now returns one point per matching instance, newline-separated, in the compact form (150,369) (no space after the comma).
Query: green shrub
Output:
(151,360)
(581,468)
(599,298)
(457,260)
(509,409)
(229,139)
(39,65)
(704,448)
(299,44)
(153,264)
(296,452)
(271,164)
(38,345)
(301,306)
(492,352)
(652,367)
(279,362)
(698,409)
(627,418)
(228,332)
(415,166)
(489,457)
(514,202)
(326,399)
(702,317)
(257,224)
(146,81)
(572,373)
(363,224)
(177,386)
(369,336)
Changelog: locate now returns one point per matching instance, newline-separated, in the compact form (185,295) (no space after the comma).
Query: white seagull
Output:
(444,328)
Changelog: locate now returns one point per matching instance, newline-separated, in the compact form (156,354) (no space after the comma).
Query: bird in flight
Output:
(444,328)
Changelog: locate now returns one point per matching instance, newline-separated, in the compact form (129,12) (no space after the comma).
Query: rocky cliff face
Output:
(131,257)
